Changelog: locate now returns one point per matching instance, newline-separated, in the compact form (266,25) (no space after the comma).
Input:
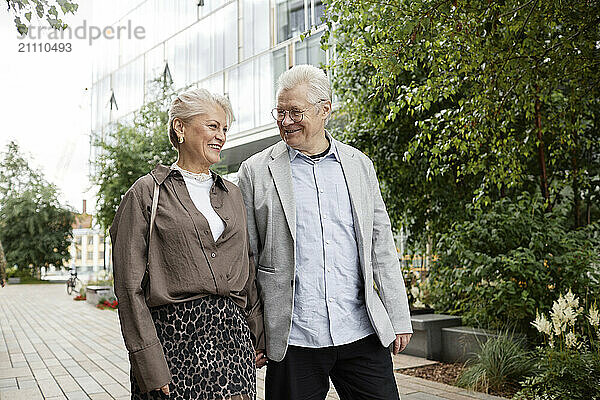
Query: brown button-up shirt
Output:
(185,263)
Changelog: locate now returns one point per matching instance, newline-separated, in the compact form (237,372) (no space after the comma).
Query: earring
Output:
(180,139)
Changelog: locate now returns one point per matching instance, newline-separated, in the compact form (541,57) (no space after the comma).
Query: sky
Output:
(45,107)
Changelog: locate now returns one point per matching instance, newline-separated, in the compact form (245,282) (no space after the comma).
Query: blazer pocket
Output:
(267,269)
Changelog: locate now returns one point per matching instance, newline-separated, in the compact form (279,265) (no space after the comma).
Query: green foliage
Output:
(568,365)
(501,361)
(468,102)
(504,263)
(563,376)
(42,9)
(129,151)
(17,175)
(35,229)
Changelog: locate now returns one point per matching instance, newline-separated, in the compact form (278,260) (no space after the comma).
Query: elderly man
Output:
(321,236)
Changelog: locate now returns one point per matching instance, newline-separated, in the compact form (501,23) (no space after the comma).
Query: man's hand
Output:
(165,389)
(261,358)
(401,342)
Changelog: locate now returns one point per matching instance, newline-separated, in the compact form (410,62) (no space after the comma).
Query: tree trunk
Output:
(541,153)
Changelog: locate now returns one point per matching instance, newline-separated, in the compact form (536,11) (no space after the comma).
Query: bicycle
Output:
(73,283)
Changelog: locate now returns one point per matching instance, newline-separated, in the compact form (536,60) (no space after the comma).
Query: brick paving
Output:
(52,347)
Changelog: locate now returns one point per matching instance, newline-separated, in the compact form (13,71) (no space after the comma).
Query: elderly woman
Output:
(184,275)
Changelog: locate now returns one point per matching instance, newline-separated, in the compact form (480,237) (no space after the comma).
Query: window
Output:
(207,47)
(290,19)
(100,97)
(256,27)
(280,65)
(309,51)
(90,240)
(128,87)
(251,92)
(319,12)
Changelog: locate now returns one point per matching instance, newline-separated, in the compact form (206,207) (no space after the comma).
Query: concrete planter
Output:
(427,335)
(14,280)
(441,337)
(93,294)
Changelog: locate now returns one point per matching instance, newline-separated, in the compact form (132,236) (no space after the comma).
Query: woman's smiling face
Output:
(205,136)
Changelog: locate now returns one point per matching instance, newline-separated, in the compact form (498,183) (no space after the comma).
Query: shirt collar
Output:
(161,172)
(332,150)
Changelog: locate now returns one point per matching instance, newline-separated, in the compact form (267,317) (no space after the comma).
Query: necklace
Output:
(201,177)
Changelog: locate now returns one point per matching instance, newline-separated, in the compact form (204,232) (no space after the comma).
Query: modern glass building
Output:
(237,48)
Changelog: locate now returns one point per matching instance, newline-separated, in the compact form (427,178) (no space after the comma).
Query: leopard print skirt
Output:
(208,349)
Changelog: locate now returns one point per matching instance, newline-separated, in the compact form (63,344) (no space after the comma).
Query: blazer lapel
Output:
(282,177)
(351,168)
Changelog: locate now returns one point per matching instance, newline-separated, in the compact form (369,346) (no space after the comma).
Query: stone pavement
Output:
(52,347)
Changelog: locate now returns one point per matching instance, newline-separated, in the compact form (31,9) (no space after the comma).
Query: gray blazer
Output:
(265,180)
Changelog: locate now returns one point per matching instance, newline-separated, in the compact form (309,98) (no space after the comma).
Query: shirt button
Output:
(328,269)
(324,216)
(213,254)
(330,299)
(328,242)
(206,231)
(226,218)
(320,190)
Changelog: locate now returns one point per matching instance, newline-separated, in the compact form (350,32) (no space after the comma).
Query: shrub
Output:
(104,303)
(568,366)
(505,263)
(501,361)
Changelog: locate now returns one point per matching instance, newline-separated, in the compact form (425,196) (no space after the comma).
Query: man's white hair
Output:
(194,102)
(319,88)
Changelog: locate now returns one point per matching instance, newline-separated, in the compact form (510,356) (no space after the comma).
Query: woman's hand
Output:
(261,358)
(165,389)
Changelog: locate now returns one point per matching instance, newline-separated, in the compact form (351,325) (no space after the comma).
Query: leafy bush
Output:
(505,263)
(568,367)
(104,303)
(501,361)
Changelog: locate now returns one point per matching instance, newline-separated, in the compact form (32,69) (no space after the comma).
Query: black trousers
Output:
(358,370)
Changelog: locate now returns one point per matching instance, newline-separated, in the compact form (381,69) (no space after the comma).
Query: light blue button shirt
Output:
(329,304)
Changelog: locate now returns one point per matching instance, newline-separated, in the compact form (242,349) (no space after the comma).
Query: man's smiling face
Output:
(309,132)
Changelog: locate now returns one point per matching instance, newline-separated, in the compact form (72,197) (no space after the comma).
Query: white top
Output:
(199,190)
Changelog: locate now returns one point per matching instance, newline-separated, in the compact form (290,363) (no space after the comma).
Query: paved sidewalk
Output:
(52,347)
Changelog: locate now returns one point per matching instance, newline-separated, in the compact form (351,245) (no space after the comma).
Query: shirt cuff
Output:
(150,368)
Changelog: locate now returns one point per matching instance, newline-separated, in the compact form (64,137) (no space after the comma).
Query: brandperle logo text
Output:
(91,32)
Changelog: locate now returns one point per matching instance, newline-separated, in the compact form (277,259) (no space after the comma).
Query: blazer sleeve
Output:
(386,266)
(255,307)
(128,235)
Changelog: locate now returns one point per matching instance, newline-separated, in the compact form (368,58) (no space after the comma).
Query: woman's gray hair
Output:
(314,78)
(194,102)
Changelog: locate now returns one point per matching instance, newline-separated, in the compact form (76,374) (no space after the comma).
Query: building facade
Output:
(237,48)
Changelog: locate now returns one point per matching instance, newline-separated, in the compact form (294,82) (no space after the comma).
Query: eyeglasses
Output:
(296,115)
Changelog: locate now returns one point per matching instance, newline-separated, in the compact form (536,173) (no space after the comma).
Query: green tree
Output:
(17,175)
(34,228)
(462,102)
(130,151)
(26,9)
